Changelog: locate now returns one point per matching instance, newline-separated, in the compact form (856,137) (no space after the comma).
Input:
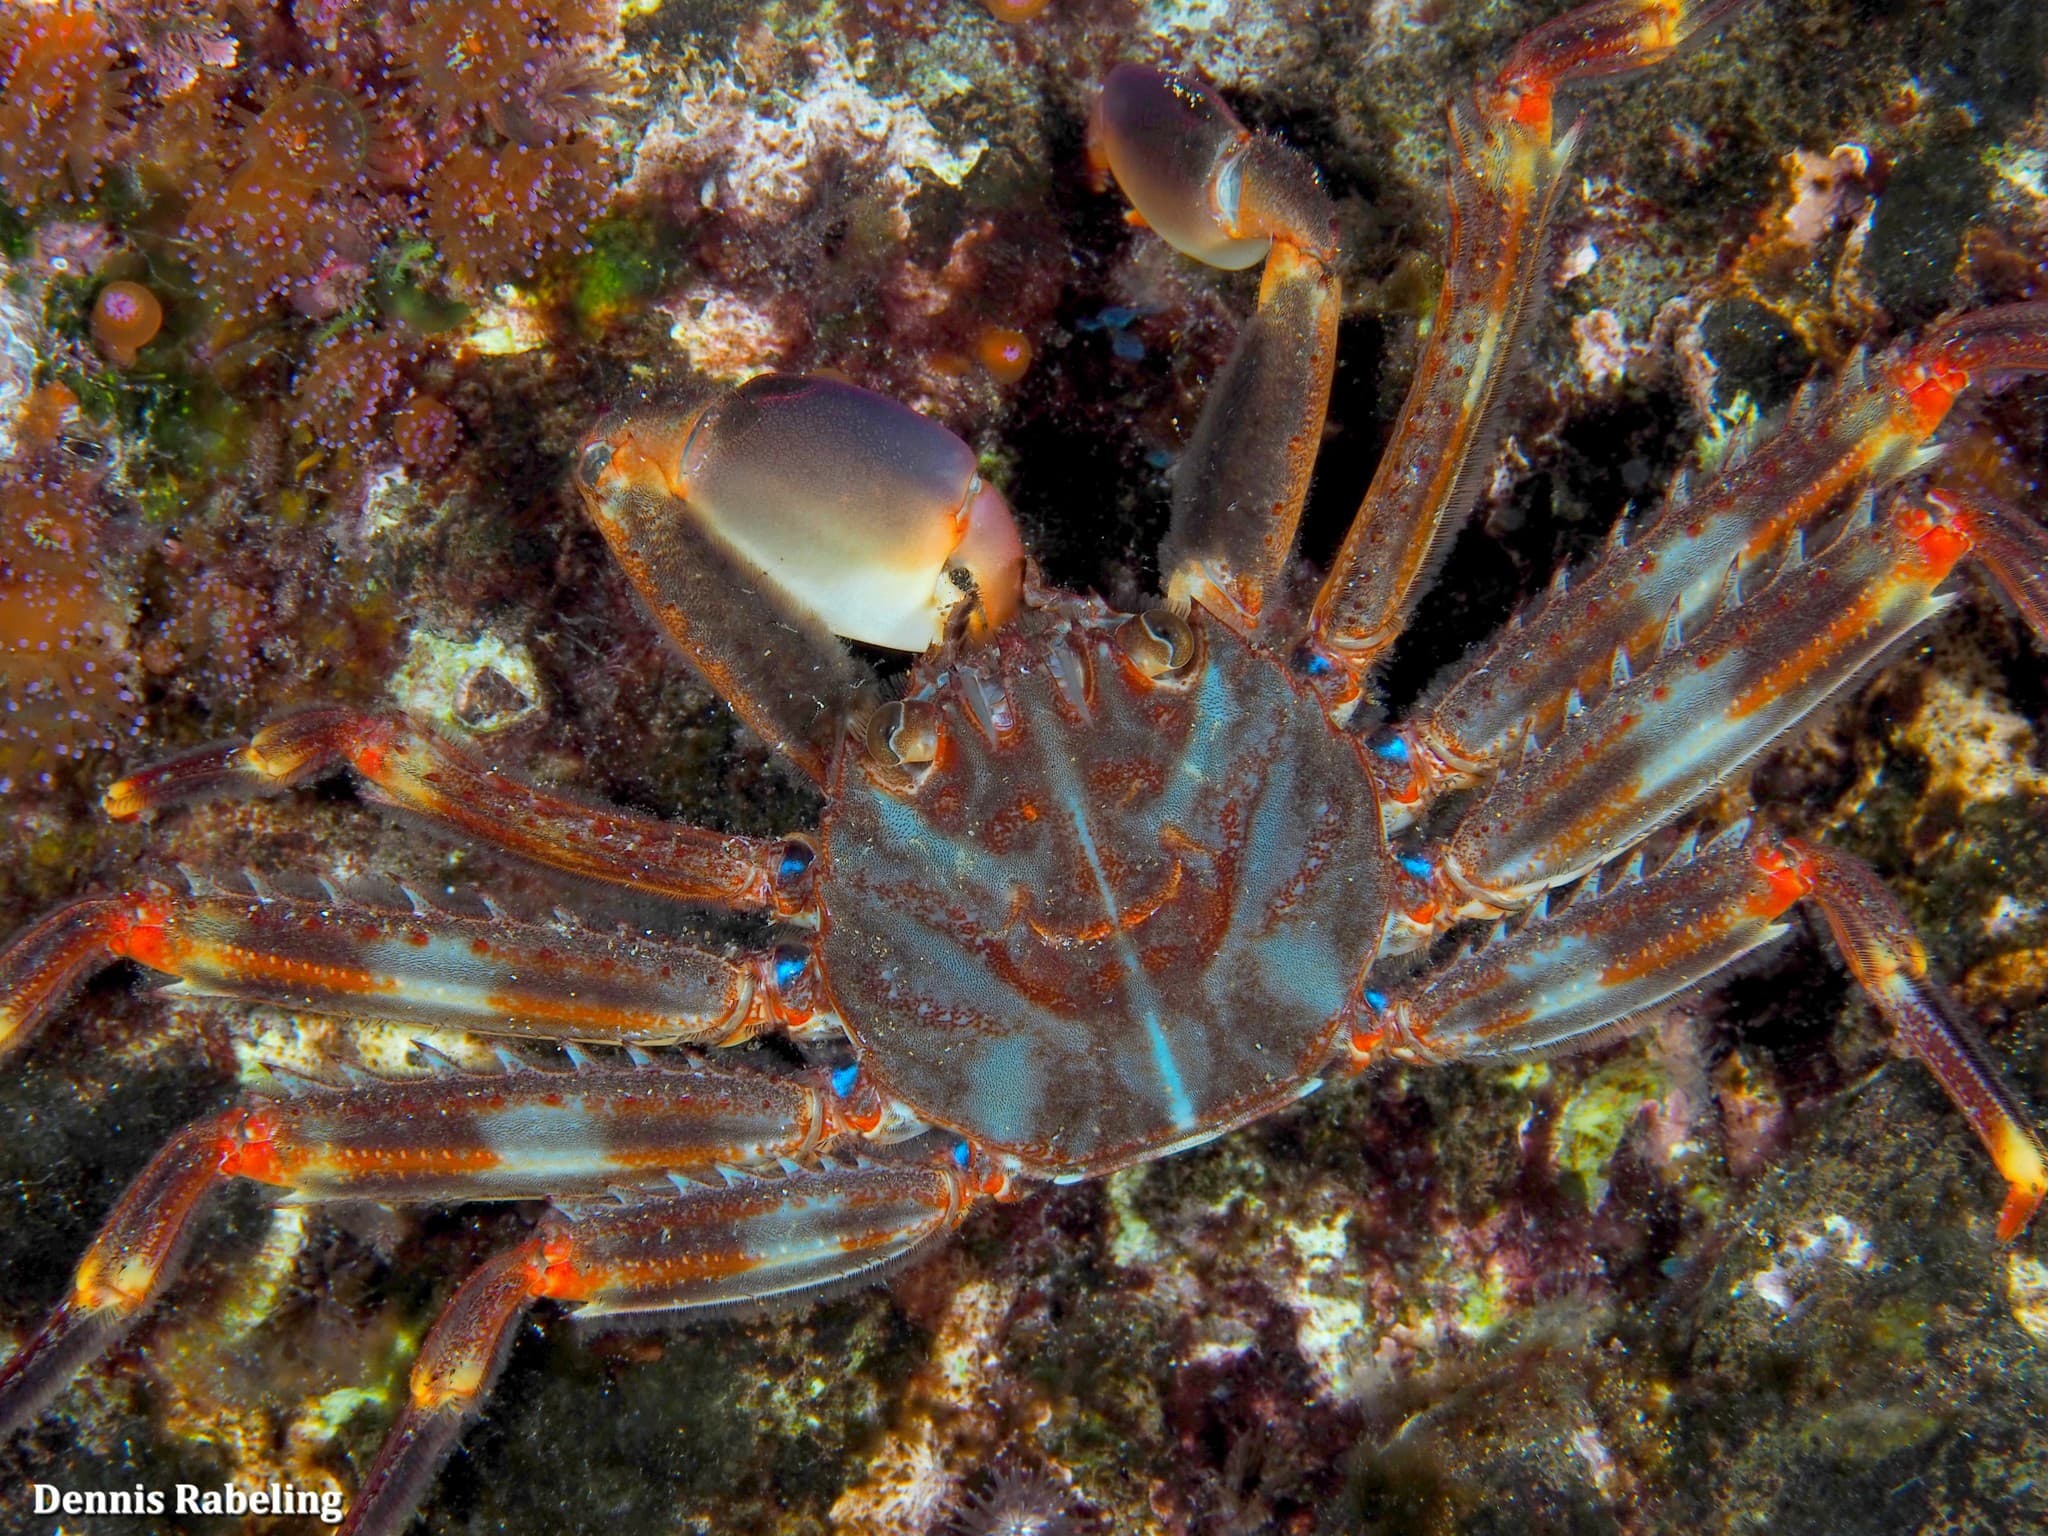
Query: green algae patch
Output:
(1593,1122)
(628,262)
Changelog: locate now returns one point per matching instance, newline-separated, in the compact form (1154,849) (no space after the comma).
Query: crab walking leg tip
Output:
(2027,1174)
(198,775)
(398,1479)
(1597,41)
(68,1340)
(282,755)
(1886,957)
(407,767)
(749,1242)
(121,1275)
(457,1365)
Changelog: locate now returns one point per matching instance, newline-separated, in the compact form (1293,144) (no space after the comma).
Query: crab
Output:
(1090,888)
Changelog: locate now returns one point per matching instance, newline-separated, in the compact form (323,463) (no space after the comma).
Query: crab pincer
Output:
(770,519)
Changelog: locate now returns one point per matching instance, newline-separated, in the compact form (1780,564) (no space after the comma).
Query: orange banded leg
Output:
(1224,195)
(1504,186)
(1571,979)
(1886,956)
(1574,979)
(1661,739)
(1595,42)
(524,1136)
(402,764)
(1872,428)
(349,960)
(1507,168)
(44,964)
(707,1249)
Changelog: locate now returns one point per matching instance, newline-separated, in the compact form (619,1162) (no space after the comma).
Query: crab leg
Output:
(404,765)
(1881,949)
(767,521)
(525,1136)
(2011,546)
(708,1249)
(1506,172)
(1572,979)
(1229,197)
(1660,739)
(352,960)
(1873,428)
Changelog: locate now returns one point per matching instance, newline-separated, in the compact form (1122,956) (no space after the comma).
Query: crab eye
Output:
(596,459)
(1158,641)
(904,733)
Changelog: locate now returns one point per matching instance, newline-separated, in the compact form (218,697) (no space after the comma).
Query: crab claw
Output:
(1210,187)
(860,513)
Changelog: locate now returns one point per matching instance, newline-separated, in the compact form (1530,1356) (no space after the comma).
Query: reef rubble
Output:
(1736,1273)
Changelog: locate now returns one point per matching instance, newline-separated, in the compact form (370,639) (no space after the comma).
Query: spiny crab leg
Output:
(1874,427)
(705,1250)
(1506,172)
(531,1135)
(404,765)
(1662,737)
(1574,975)
(791,510)
(350,959)
(1571,978)
(1229,197)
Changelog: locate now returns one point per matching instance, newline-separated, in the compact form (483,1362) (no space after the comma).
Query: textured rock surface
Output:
(1736,1274)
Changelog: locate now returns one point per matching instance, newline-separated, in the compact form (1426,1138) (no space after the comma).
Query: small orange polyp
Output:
(125,318)
(1004,354)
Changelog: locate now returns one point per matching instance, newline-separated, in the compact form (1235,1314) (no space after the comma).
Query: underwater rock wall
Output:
(1736,1273)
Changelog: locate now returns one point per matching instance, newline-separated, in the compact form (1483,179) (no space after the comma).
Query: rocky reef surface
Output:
(1735,1274)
